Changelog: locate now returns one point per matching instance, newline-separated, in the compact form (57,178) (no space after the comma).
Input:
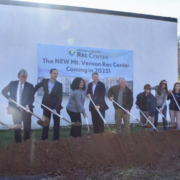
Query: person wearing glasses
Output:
(174,111)
(161,94)
(146,102)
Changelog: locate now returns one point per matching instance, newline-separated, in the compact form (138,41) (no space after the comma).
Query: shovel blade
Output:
(45,121)
(77,123)
(171,126)
(15,126)
(89,133)
(147,126)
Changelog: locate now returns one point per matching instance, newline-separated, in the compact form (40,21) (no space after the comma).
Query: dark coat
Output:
(98,97)
(150,103)
(172,104)
(10,91)
(54,99)
(127,98)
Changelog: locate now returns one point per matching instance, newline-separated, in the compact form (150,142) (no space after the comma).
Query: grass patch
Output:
(7,136)
(130,173)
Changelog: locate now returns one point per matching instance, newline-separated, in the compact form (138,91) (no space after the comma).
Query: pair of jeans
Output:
(164,121)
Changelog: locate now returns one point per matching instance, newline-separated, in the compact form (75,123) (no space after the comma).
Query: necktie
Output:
(20,96)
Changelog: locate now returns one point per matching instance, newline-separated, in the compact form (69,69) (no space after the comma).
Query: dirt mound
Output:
(80,157)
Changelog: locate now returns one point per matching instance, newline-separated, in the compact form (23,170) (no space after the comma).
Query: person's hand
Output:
(97,107)
(149,117)
(27,108)
(137,107)
(170,90)
(85,115)
(161,111)
(11,100)
(88,95)
(54,111)
(127,111)
(111,98)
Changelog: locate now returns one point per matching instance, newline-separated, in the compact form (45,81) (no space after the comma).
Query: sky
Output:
(167,8)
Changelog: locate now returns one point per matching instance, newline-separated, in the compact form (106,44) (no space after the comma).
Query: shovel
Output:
(148,120)
(129,114)
(87,124)
(100,114)
(12,126)
(70,124)
(170,126)
(44,118)
(88,133)
(42,122)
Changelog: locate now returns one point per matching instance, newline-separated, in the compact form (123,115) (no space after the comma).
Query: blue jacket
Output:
(150,103)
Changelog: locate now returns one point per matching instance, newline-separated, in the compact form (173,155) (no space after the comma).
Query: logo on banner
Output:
(71,51)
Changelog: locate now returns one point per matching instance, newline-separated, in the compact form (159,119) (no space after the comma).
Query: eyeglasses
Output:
(148,89)
(164,84)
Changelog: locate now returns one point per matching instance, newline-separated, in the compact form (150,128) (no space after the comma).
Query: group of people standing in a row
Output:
(23,93)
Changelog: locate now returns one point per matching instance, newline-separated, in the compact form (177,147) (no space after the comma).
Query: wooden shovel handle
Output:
(4,124)
(66,120)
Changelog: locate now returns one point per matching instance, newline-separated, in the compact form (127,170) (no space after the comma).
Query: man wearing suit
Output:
(96,90)
(23,93)
(52,98)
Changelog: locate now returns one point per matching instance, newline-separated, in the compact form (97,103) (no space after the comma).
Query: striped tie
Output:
(20,96)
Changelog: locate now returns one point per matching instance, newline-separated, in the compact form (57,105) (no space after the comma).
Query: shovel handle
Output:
(87,123)
(175,101)
(52,111)
(100,114)
(162,115)
(27,110)
(148,120)
(66,120)
(126,111)
(35,115)
(4,124)
(138,120)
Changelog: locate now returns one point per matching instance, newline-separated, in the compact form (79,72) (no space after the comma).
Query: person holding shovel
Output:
(174,111)
(23,93)
(146,102)
(52,99)
(75,105)
(161,94)
(96,91)
(123,96)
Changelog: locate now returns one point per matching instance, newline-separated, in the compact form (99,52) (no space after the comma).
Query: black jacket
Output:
(10,91)
(98,97)
(150,103)
(172,104)
(54,99)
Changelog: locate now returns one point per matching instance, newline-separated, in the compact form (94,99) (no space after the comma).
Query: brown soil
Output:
(75,158)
